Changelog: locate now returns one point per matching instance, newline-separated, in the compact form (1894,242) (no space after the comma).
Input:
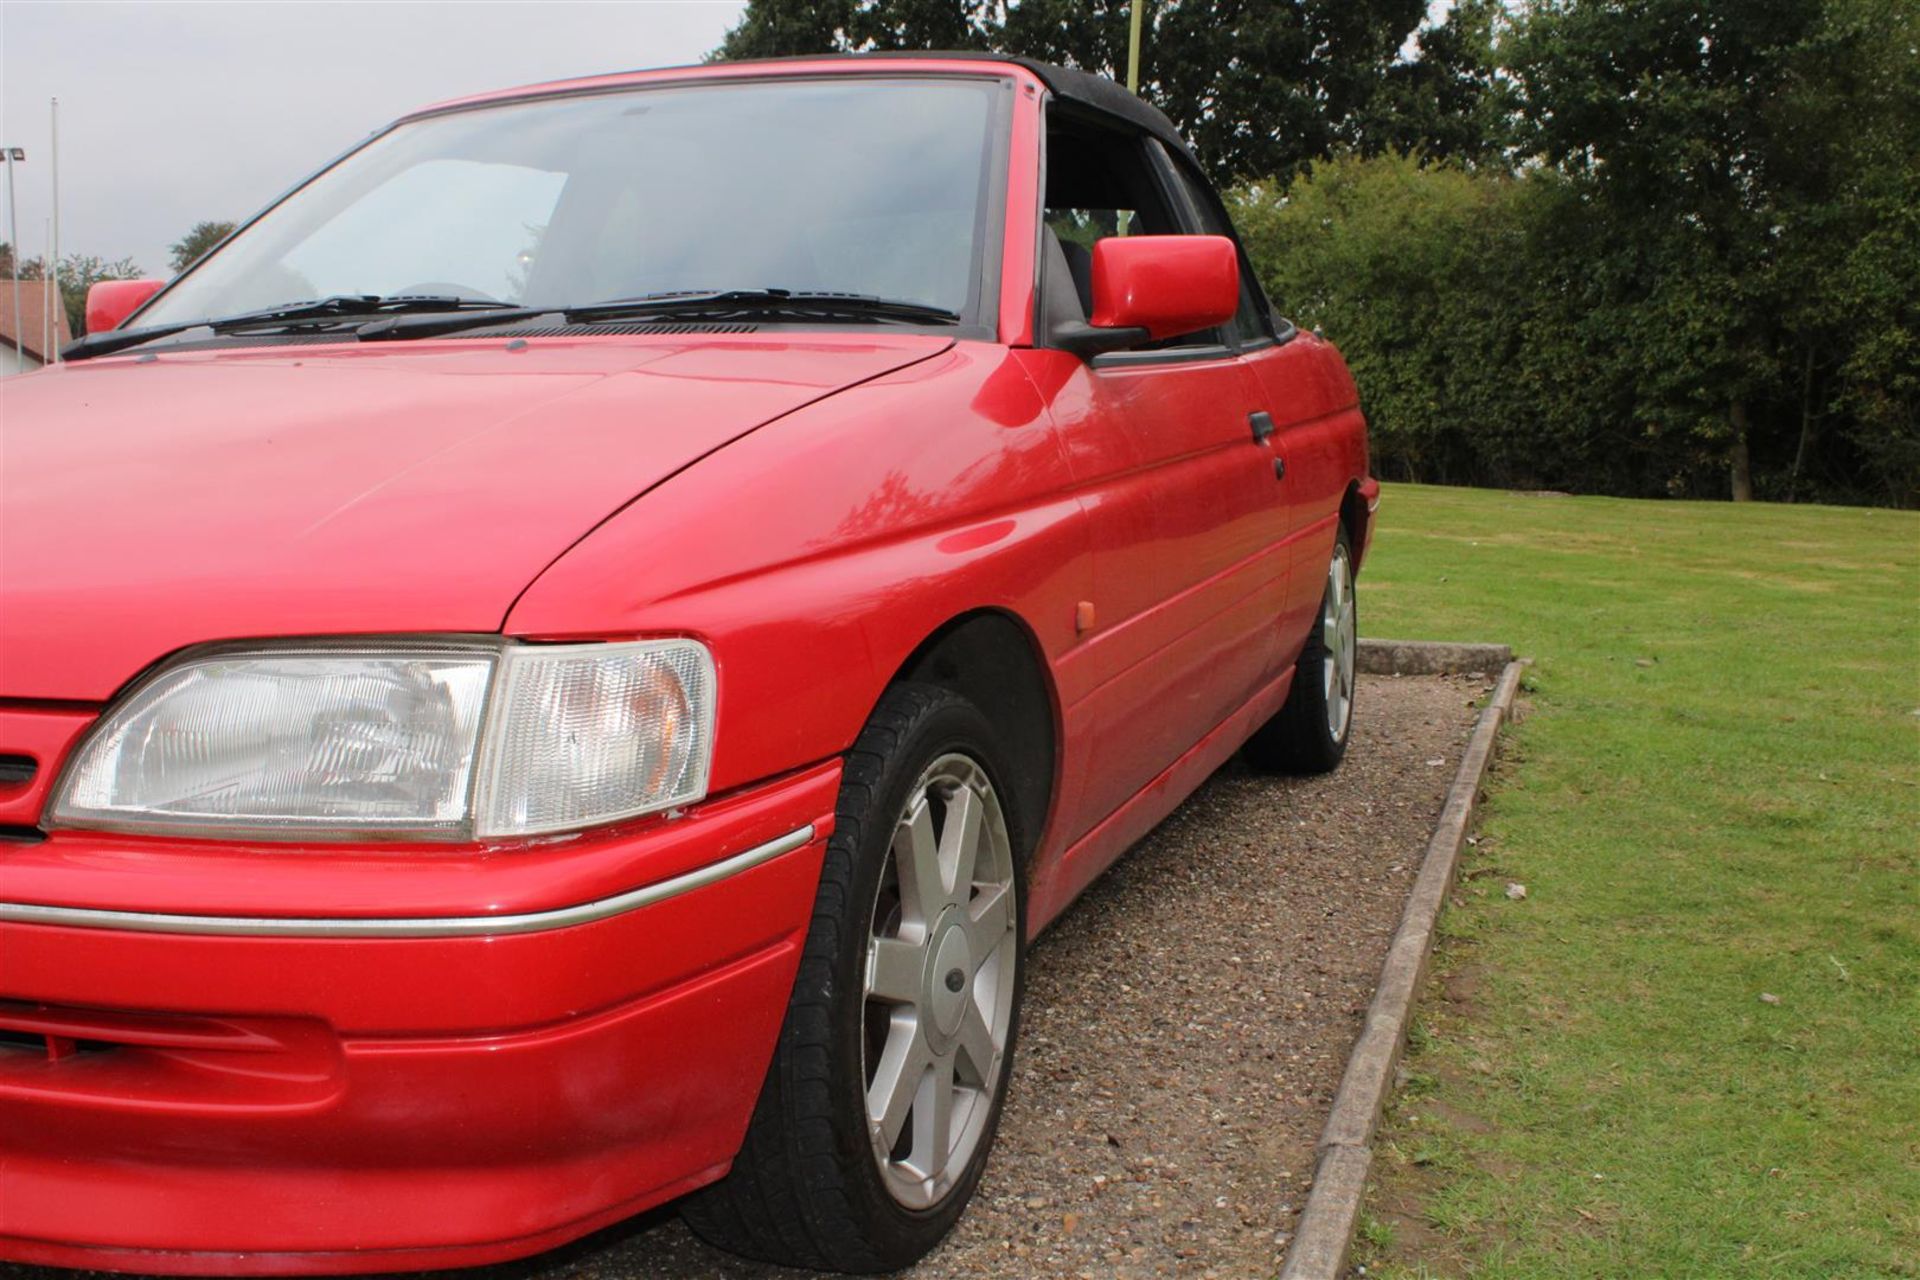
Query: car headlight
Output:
(427,740)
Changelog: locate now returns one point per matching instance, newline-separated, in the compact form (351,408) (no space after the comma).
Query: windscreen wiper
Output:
(402,327)
(318,310)
(679,304)
(857,306)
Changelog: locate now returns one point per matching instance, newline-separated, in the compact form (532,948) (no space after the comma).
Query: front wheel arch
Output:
(991,659)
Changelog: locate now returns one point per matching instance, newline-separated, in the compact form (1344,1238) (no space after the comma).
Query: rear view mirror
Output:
(1146,288)
(112,301)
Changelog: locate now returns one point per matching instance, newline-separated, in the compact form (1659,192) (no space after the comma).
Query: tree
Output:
(1447,100)
(1685,260)
(1261,87)
(784,28)
(191,247)
(1715,154)
(29,269)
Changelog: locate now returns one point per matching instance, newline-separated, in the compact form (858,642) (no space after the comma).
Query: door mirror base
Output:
(1087,341)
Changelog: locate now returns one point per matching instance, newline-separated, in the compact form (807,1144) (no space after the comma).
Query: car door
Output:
(1180,493)
(1297,409)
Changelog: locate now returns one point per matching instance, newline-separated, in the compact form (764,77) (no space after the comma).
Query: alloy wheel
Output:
(1337,637)
(940,981)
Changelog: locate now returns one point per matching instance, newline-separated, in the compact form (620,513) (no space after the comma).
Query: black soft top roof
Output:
(1097,93)
(1107,96)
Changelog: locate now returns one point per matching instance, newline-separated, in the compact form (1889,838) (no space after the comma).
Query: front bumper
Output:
(284,1089)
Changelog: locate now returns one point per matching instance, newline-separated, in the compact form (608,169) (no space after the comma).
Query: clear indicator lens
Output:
(585,734)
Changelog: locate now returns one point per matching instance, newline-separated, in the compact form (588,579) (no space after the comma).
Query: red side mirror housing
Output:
(1166,285)
(111,301)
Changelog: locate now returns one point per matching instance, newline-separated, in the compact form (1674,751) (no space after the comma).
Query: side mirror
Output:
(1146,288)
(111,301)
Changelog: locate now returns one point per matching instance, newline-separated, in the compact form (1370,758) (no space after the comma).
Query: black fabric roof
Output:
(1107,96)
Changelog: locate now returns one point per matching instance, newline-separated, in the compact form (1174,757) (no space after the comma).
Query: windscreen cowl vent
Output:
(631,328)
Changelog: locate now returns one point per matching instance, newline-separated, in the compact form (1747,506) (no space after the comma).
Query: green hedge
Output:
(1500,337)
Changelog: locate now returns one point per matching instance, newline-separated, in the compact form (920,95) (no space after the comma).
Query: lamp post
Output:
(1133,84)
(13,241)
(1133,48)
(52,349)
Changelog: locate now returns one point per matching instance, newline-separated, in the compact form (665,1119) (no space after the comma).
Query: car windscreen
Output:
(857,185)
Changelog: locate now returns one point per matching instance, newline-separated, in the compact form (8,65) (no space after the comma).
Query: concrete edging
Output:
(1345,1151)
(1429,657)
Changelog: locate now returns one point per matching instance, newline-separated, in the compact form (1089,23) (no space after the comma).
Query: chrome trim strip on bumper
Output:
(410,927)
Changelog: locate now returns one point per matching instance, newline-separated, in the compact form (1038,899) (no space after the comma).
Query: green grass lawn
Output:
(1716,795)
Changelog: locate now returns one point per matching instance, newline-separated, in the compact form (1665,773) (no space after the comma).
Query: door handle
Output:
(1262,424)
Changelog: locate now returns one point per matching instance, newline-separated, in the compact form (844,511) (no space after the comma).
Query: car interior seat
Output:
(1080,263)
(1066,296)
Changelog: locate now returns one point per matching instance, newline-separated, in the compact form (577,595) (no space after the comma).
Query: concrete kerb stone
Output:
(1429,657)
(1345,1151)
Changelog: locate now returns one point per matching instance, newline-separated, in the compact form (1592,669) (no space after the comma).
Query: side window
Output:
(1200,214)
(1102,181)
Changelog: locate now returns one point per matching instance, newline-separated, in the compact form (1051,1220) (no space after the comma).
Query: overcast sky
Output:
(172,113)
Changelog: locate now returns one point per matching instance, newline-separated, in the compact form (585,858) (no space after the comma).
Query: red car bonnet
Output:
(148,504)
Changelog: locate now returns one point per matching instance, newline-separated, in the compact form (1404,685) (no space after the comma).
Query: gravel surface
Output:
(1186,1025)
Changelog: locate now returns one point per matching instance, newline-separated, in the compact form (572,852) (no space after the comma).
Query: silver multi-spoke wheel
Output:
(940,981)
(874,1125)
(1337,635)
(1309,733)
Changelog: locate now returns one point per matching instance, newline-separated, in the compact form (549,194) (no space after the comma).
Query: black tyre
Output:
(1309,733)
(880,1107)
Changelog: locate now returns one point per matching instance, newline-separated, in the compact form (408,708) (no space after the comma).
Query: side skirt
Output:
(1101,847)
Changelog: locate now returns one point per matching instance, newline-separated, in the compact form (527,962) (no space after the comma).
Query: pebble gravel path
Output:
(1185,1029)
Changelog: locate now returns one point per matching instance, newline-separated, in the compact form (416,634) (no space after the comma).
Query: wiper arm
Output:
(716,302)
(678,302)
(338,307)
(733,301)
(348,305)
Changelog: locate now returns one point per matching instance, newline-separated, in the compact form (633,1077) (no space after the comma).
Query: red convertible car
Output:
(561,667)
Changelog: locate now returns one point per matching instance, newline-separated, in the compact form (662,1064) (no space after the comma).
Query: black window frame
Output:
(1194,208)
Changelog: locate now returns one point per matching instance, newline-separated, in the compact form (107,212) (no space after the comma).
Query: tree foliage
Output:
(1701,272)
(191,247)
(1710,148)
